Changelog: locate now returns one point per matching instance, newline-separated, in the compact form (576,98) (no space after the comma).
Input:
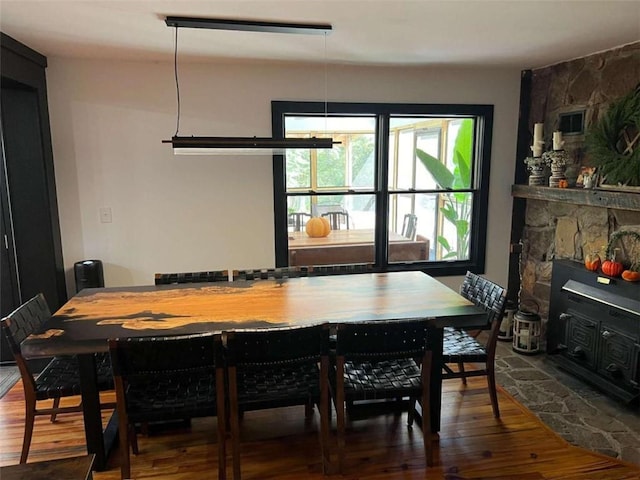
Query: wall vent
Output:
(572,123)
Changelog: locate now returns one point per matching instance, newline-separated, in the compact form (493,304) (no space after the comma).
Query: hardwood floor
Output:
(277,445)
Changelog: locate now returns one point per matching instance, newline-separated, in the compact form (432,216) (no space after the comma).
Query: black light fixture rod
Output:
(250,142)
(248,25)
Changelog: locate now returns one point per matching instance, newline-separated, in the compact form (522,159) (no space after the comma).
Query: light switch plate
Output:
(105,215)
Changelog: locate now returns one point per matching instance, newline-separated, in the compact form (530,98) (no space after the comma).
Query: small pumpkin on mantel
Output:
(592,261)
(633,273)
(318,227)
(612,268)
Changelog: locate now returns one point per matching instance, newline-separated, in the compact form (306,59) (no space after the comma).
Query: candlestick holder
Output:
(557,161)
(536,166)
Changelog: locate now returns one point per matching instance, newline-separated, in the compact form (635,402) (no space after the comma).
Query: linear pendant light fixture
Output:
(242,145)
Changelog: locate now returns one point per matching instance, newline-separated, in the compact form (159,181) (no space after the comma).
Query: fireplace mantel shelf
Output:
(580,196)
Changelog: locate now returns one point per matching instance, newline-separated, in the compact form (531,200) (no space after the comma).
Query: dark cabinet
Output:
(594,328)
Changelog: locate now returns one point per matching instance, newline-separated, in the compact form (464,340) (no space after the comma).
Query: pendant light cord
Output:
(175,73)
(326,77)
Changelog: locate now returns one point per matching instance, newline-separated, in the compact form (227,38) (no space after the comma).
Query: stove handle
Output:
(577,352)
(613,370)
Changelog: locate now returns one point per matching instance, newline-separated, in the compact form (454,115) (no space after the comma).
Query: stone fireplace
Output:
(554,223)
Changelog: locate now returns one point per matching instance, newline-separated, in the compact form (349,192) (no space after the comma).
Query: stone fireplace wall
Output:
(556,229)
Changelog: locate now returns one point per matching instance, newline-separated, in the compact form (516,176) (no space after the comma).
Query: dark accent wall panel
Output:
(28,159)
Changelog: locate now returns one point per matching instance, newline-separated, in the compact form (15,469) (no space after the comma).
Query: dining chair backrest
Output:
(270,273)
(298,220)
(381,339)
(486,294)
(251,347)
(192,277)
(324,270)
(18,325)
(337,220)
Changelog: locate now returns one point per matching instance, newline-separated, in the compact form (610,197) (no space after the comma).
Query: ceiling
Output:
(512,33)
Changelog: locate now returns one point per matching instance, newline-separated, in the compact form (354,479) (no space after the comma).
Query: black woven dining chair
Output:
(382,360)
(191,277)
(343,269)
(274,368)
(270,273)
(60,378)
(460,346)
(167,378)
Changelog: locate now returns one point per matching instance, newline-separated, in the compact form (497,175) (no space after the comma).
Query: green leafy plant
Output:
(457,205)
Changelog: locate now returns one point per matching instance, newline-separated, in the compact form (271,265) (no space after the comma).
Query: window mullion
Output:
(382,194)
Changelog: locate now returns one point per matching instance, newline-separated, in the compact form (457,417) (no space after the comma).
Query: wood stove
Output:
(594,328)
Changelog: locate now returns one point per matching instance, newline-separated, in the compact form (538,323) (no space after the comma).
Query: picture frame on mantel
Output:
(587,178)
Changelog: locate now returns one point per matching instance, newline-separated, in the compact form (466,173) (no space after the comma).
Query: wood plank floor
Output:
(277,445)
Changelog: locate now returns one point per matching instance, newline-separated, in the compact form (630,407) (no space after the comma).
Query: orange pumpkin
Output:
(592,261)
(631,275)
(318,227)
(612,268)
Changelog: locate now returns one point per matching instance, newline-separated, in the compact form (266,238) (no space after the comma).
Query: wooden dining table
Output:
(352,246)
(83,325)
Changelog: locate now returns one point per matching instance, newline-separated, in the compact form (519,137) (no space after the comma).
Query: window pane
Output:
(459,159)
(298,169)
(348,165)
(441,221)
(332,167)
(413,139)
(407,242)
(351,239)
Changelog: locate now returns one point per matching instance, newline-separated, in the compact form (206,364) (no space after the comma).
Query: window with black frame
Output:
(406,187)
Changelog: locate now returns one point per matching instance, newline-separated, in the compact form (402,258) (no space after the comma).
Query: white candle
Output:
(537,134)
(537,150)
(557,141)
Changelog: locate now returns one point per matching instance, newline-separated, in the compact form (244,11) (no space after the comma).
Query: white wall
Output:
(197,213)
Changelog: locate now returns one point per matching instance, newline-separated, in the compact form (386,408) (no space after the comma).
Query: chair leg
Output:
(340,413)
(324,410)
(411,413)
(426,408)
(123,431)
(28,430)
(234,417)
(133,439)
(491,381)
(461,370)
(56,404)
